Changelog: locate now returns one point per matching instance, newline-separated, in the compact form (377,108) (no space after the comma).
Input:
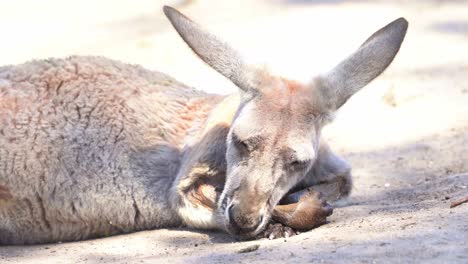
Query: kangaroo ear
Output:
(216,53)
(368,62)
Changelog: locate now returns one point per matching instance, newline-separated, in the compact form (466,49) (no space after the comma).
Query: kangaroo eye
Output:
(248,145)
(298,164)
(240,144)
(295,163)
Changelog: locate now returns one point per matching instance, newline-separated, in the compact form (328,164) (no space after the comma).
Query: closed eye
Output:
(249,144)
(240,144)
(299,164)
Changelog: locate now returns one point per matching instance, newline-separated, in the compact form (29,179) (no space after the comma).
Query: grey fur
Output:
(92,147)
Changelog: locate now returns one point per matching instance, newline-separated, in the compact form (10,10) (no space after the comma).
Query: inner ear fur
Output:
(361,67)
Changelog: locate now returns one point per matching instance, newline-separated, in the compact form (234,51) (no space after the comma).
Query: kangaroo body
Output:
(91,147)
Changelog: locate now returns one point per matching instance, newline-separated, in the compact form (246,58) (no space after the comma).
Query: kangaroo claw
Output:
(277,230)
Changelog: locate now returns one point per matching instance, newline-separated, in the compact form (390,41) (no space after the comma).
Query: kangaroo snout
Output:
(243,222)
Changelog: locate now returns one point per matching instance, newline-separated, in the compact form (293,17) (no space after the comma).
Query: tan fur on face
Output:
(283,94)
(280,119)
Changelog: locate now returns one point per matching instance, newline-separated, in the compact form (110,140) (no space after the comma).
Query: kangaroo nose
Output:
(243,223)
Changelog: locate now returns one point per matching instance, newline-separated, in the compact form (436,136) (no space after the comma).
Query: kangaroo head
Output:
(274,138)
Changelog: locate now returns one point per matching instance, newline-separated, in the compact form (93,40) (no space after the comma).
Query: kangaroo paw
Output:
(310,211)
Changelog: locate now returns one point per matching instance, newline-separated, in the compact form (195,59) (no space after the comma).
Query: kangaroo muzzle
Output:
(243,223)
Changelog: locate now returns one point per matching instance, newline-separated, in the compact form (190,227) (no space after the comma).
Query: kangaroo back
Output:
(89,147)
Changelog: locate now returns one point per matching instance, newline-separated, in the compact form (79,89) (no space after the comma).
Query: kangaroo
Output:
(91,147)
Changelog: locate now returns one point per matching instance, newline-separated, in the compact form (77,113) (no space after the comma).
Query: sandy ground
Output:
(406,134)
